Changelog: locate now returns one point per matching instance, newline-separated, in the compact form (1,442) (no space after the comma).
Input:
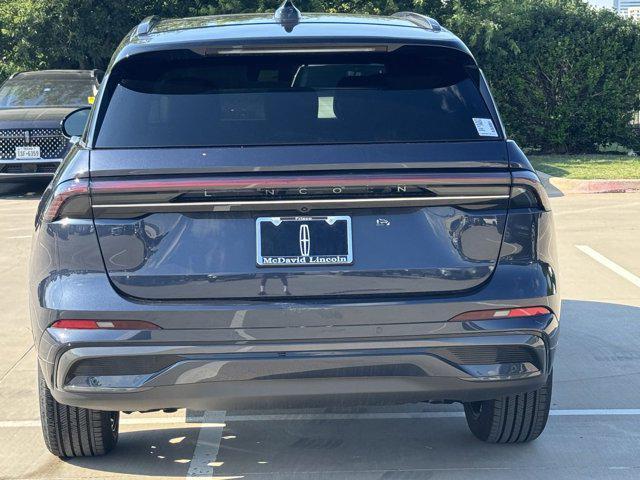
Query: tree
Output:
(375,7)
(566,77)
(73,33)
(37,34)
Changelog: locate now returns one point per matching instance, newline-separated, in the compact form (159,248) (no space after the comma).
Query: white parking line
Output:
(614,267)
(217,420)
(207,446)
(412,415)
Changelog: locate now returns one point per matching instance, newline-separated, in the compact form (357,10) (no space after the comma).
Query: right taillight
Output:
(69,199)
(527,191)
(524,197)
(499,314)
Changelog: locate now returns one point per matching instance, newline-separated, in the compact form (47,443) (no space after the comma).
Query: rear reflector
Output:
(105,325)
(499,314)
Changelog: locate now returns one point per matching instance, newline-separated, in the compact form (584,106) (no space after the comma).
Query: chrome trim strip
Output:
(302,203)
(34,161)
(9,176)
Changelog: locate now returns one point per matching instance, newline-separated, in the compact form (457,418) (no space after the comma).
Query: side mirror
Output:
(74,123)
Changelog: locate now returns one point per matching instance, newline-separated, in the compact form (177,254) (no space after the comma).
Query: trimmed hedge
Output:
(566,76)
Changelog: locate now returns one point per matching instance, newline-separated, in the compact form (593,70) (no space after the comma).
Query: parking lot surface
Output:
(594,430)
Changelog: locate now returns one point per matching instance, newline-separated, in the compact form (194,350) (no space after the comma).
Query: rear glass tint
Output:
(411,95)
(26,92)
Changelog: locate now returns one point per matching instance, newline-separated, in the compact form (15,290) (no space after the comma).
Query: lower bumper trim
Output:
(267,394)
(281,375)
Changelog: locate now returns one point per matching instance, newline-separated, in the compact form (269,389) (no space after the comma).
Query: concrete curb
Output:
(570,186)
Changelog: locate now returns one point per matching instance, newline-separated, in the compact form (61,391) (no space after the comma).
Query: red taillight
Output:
(500,314)
(62,195)
(105,325)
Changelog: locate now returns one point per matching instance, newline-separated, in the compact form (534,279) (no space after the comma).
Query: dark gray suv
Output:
(292,210)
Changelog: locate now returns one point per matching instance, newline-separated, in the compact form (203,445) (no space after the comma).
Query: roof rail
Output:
(145,26)
(420,20)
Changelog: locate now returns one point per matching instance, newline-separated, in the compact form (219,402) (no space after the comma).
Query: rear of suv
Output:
(292,210)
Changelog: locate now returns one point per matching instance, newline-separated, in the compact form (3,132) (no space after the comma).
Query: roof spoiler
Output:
(420,20)
(145,26)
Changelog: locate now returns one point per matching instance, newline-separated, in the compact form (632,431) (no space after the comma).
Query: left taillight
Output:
(77,324)
(69,199)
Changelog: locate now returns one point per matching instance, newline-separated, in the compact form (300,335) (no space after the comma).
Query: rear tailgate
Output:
(430,223)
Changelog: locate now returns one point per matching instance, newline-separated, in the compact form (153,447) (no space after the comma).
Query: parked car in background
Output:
(283,210)
(32,106)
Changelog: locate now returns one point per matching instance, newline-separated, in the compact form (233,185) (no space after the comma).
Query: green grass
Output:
(588,167)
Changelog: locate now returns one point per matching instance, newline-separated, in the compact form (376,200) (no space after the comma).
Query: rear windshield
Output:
(46,92)
(410,95)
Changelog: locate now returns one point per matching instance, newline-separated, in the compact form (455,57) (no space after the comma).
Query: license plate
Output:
(27,153)
(300,241)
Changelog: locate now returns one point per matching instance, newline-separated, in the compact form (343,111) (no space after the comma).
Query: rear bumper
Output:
(126,374)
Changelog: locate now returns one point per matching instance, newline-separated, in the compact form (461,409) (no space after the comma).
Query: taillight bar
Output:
(528,187)
(76,324)
(272,181)
(62,195)
(296,192)
(498,314)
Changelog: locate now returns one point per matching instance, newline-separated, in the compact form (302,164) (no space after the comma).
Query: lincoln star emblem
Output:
(305,240)
(27,137)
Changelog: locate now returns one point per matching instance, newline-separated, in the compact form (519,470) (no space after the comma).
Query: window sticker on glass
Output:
(485,127)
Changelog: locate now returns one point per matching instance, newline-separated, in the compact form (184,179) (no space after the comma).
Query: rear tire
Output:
(73,431)
(517,418)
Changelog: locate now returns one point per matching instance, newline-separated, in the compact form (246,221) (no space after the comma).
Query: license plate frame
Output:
(28,152)
(338,227)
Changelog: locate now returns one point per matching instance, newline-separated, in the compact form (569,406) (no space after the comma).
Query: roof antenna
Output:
(287,15)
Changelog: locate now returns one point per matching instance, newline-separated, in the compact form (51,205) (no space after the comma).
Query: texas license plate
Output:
(300,241)
(27,153)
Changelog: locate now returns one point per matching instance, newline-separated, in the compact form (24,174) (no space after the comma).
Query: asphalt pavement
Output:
(594,430)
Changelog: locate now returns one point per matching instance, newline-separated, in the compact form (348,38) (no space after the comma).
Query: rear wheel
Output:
(517,418)
(75,432)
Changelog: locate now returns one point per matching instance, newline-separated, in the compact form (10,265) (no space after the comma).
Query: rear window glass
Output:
(46,92)
(410,95)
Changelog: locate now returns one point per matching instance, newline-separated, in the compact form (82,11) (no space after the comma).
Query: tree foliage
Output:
(566,77)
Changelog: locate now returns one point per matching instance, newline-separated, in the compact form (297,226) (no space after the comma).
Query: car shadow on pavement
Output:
(598,360)
(150,450)
(22,190)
